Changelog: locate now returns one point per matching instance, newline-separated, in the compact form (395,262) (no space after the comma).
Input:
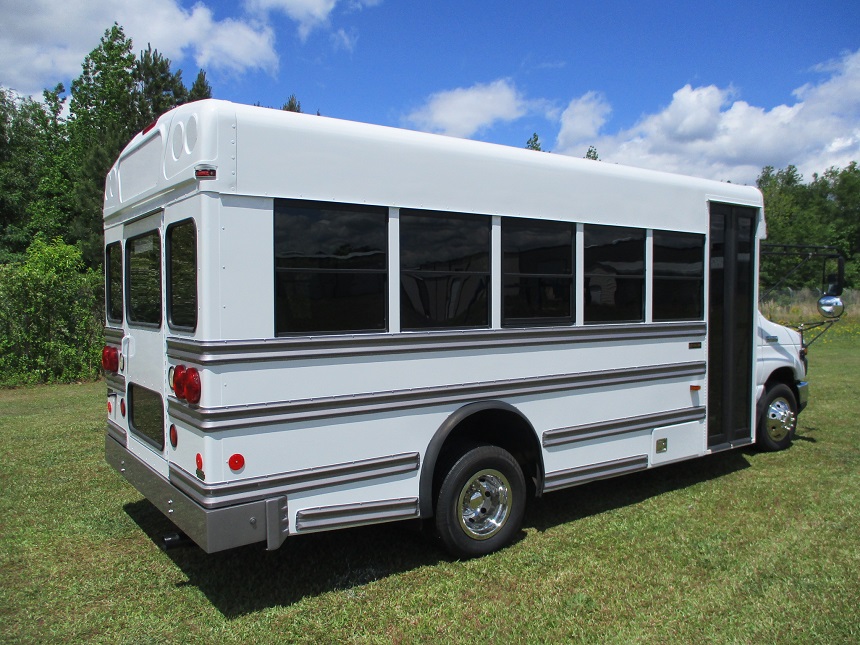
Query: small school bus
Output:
(315,324)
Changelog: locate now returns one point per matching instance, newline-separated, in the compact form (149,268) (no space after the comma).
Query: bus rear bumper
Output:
(217,529)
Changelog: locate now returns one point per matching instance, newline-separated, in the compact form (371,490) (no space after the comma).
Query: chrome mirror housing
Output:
(830,306)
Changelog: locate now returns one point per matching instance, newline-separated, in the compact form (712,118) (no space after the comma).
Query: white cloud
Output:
(343,40)
(308,13)
(464,111)
(582,120)
(43,42)
(707,131)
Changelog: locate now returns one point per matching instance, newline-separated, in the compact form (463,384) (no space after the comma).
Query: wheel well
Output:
(783,375)
(493,423)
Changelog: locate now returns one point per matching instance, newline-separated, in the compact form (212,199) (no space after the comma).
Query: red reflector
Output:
(198,460)
(174,436)
(695,388)
(122,407)
(236,462)
(110,408)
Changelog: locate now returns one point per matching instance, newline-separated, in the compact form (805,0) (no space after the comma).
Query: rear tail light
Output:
(110,359)
(186,383)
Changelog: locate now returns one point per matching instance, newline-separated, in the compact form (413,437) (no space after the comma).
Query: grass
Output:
(736,547)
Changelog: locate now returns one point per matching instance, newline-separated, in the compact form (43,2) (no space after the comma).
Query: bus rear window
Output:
(182,275)
(146,415)
(113,282)
(144,279)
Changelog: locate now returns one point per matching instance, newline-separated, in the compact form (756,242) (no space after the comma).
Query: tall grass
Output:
(738,547)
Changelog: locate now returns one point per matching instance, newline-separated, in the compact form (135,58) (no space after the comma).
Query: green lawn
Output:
(736,547)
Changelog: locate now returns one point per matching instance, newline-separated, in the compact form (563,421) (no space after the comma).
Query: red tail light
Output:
(186,383)
(179,381)
(110,359)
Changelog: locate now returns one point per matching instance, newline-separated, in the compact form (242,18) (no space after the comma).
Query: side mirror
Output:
(830,306)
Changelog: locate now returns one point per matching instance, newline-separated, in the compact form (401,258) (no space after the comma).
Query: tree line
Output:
(55,154)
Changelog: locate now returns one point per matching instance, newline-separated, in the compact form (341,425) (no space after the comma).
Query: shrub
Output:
(50,316)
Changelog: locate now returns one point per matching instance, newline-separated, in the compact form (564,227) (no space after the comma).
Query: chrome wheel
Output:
(485,503)
(780,419)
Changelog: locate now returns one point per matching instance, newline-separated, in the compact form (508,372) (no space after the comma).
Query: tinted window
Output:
(614,274)
(679,285)
(146,415)
(331,267)
(445,270)
(113,282)
(144,279)
(537,272)
(182,275)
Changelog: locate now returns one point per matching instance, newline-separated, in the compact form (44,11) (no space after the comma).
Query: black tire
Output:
(778,419)
(481,502)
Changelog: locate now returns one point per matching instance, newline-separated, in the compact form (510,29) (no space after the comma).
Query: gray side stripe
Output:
(573,434)
(115,382)
(116,431)
(332,517)
(213,352)
(585,474)
(113,335)
(225,494)
(221,418)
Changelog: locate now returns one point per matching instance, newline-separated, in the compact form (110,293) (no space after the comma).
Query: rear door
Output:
(143,345)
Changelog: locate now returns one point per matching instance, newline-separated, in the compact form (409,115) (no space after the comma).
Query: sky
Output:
(711,89)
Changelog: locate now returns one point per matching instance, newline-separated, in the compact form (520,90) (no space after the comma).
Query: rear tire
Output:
(778,420)
(481,502)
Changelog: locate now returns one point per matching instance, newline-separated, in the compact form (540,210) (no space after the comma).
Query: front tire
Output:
(778,419)
(481,502)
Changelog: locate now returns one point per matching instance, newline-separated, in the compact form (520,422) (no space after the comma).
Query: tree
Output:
(292,105)
(158,88)
(592,154)
(200,89)
(534,143)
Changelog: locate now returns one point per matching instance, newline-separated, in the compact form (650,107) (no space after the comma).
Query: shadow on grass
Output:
(250,579)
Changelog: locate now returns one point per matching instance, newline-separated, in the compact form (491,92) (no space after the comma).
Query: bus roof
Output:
(271,153)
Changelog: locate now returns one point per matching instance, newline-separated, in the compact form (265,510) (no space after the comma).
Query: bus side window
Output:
(614,274)
(537,272)
(444,270)
(330,267)
(679,276)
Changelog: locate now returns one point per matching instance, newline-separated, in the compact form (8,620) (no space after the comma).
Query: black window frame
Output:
(112,298)
(128,281)
(659,274)
(419,273)
(370,275)
(509,228)
(634,234)
(168,262)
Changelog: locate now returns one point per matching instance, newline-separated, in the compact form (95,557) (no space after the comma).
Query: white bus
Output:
(315,324)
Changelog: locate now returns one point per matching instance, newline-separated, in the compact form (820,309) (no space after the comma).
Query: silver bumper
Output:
(213,530)
(802,395)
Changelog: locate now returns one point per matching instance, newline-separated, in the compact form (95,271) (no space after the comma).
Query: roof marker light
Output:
(205,172)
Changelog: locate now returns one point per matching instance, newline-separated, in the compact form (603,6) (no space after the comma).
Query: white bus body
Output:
(315,324)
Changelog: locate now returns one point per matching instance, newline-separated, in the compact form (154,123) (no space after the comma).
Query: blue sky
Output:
(711,89)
